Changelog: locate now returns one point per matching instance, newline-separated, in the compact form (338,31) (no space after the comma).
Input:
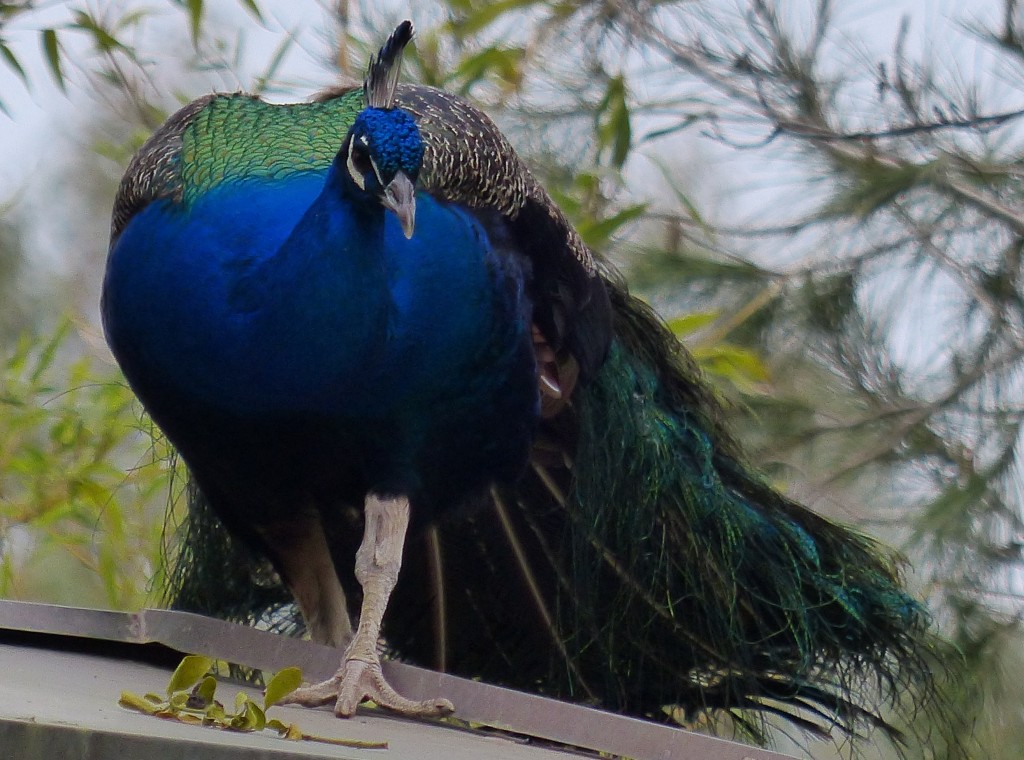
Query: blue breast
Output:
(277,299)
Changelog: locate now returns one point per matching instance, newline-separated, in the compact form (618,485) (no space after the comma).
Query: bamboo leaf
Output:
(613,122)
(689,323)
(13,62)
(254,9)
(103,39)
(502,62)
(51,47)
(195,17)
(481,18)
(597,234)
(734,363)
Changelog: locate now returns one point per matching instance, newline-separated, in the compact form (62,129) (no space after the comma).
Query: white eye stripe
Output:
(353,170)
(357,176)
(377,173)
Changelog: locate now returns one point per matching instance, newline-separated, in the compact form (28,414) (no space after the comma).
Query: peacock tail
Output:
(702,584)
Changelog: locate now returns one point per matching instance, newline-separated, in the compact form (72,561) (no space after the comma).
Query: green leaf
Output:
(49,352)
(505,63)
(195,17)
(132,18)
(690,323)
(13,62)
(613,122)
(216,713)
(103,39)
(596,234)
(248,716)
(286,730)
(734,363)
(486,15)
(132,701)
(283,683)
(250,5)
(256,715)
(192,668)
(51,47)
(206,689)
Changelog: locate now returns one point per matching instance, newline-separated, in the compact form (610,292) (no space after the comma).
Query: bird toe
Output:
(314,695)
(361,680)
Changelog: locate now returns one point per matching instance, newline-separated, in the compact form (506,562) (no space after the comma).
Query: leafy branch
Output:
(190,698)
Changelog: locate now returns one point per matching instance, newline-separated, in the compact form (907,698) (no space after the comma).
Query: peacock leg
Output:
(300,552)
(360,677)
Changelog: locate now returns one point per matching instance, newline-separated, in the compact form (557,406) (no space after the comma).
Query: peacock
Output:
(378,344)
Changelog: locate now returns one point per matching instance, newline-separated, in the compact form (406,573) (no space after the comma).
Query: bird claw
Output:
(314,695)
(357,681)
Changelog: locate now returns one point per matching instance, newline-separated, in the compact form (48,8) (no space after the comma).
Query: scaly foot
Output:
(360,677)
(358,680)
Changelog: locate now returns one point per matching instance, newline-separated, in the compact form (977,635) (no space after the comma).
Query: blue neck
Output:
(327,279)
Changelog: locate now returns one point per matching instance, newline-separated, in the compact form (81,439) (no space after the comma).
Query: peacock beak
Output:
(400,197)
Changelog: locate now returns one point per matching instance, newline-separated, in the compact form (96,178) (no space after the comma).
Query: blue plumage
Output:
(287,297)
(346,317)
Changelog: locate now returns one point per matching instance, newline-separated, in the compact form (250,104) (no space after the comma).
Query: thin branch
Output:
(798,129)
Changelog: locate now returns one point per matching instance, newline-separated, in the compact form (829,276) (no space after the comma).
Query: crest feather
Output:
(385,68)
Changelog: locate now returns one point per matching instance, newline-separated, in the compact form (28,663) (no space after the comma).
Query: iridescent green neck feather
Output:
(240,138)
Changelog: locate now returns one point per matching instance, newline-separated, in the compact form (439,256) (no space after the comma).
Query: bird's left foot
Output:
(357,681)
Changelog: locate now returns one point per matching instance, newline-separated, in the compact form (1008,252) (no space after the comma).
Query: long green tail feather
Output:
(212,572)
(705,586)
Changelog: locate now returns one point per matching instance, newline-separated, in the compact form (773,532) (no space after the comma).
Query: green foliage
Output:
(83,488)
(51,48)
(191,698)
(501,63)
(613,130)
(473,16)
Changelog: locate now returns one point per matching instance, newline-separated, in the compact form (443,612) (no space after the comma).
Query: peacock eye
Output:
(359,162)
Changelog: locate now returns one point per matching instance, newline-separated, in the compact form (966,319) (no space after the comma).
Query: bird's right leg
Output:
(302,557)
(360,676)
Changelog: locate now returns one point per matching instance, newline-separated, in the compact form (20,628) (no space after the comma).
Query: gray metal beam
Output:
(475,702)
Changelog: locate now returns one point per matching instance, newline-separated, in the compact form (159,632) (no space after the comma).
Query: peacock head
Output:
(383,156)
(384,149)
